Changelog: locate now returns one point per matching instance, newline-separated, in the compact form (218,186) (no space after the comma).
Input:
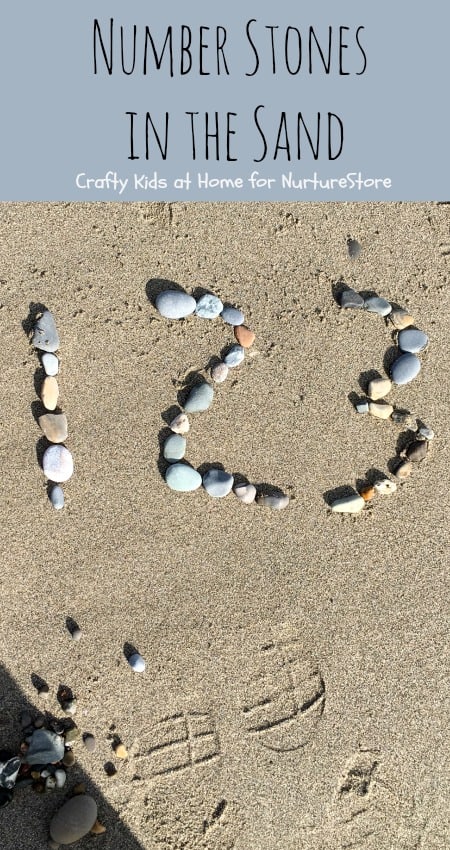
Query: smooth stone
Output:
(183,478)
(136,662)
(72,734)
(385,487)
(402,417)
(199,398)
(53,845)
(405,368)
(60,776)
(174,304)
(417,450)
(379,388)
(57,464)
(89,742)
(381,410)
(180,425)
(375,304)
(121,751)
(403,470)
(362,407)
(45,336)
(349,298)
(174,448)
(367,493)
(50,393)
(348,504)
(57,497)
(354,248)
(426,432)
(70,706)
(276,503)
(217,482)
(98,828)
(244,336)
(74,819)
(209,306)
(400,318)
(232,316)
(69,758)
(219,372)
(76,634)
(54,426)
(246,493)
(234,356)
(412,340)
(45,747)
(50,783)
(50,364)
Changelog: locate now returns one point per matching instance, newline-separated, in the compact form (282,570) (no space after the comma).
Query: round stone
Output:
(234,356)
(412,340)
(380,409)
(246,493)
(403,470)
(50,363)
(209,306)
(375,304)
(57,497)
(89,742)
(354,248)
(244,336)
(174,448)
(417,450)
(379,388)
(60,778)
(199,398)
(232,316)
(385,487)
(405,368)
(54,426)
(219,372)
(174,304)
(74,819)
(45,336)
(50,393)
(348,504)
(69,758)
(277,503)
(180,425)
(400,318)
(57,463)
(183,478)
(136,662)
(217,482)
(349,298)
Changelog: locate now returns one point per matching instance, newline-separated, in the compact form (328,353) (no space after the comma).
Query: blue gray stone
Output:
(57,497)
(232,316)
(375,304)
(50,363)
(217,482)
(209,306)
(183,478)
(362,407)
(45,336)
(354,248)
(174,448)
(234,356)
(45,747)
(276,502)
(405,368)
(136,662)
(174,304)
(412,340)
(351,299)
(199,398)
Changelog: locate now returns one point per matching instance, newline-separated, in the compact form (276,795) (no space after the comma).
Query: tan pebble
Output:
(244,336)
(403,470)
(381,410)
(379,388)
(69,758)
(367,493)
(54,426)
(35,774)
(80,788)
(98,828)
(50,392)
(400,318)
(348,504)
(121,751)
(180,425)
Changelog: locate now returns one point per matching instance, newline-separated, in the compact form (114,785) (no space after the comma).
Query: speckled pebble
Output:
(232,316)
(375,304)
(405,368)
(417,450)
(403,470)
(385,487)
(217,482)
(412,340)
(348,504)
(275,502)
(426,432)
(57,464)
(174,304)
(50,364)
(219,372)
(182,478)
(174,448)
(350,299)
(209,306)
(45,336)
(362,406)
(54,426)
(180,425)
(379,388)
(380,409)
(50,393)
(400,318)
(199,398)
(74,819)
(234,356)
(57,497)
(136,662)
(246,493)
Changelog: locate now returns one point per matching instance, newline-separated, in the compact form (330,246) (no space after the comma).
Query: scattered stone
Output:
(426,432)
(219,372)
(50,364)
(57,497)
(183,478)
(362,407)
(246,493)
(69,706)
(412,340)
(174,304)
(89,742)
(348,504)
(174,448)
(209,306)
(380,409)
(76,633)
(180,425)
(379,388)
(60,777)
(45,336)
(136,662)
(98,828)
(417,450)
(57,463)
(110,769)
(385,487)
(45,747)
(244,336)
(349,298)
(50,393)
(400,318)
(72,734)
(199,398)
(367,493)
(54,426)
(69,758)
(50,783)
(403,470)
(44,692)
(354,248)
(402,417)
(232,316)
(217,482)
(121,751)
(405,368)
(234,356)
(275,502)
(375,304)
(74,819)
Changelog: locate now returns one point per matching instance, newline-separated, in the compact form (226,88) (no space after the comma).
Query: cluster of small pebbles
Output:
(406,366)
(180,476)
(57,461)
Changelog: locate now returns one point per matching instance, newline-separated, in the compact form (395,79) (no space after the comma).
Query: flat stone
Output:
(50,392)
(379,388)
(348,504)
(45,336)
(405,368)
(199,398)
(217,482)
(180,425)
(417,450)
(403,470)
(426,432)
(400,318)
(354,248)
(209,306)
(121,751)
(375,304)
(234,356)
(350,299)
(244,336)
(50,363)
(89,742)
(275,502)
(412,340)
(183,478)
(232,316)
(54,426)
(57,497)
(380,409)
(45,747)
(219,372)
(136,662)
(174,448)
(57,464)
(362,407)
(246,493)
(174,304)
(74,819)
(385,487)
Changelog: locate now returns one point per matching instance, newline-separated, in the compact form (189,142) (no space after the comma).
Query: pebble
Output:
(45,336)
(44,691)
(121,751)
(277,503)
(209,306)
(174,304)
(69,758)
(219,372)
(349,298)
(174,448)
(50,783)
(45,747)
(50,393)
(50,364)
(246,493)
(72,734)
(381,410)
(110,769)
(217,482)
(76,634)
(25,719)
(57,497)
(402,417)
(60,776)
(54,426)
(232,316)
(403,470)
(183,478)
(180,425)
(362,407)
(74,819)
(417,450)
(379,388)
(385,487)
(57,463)
(136,662)
(234,356)
(199,398)
(426,432)
(244,336)
(412,340)
(354,248)
(400,318)
(405,368)
(89,742)
(69,706)
(375,304)
(348,504)
(98,828)
(367,493)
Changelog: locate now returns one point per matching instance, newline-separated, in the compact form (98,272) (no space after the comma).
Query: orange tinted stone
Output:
(244,336)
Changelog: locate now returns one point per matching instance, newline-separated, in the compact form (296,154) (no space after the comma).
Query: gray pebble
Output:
(412,340)
(136,662)
(232,316)
(57,464)
(50,363)
(352,504)
(70,706)
(89,742)
(354,248)
(403,470)
(277,503)
(234,356)
(426,432)
(199,398)
(219,372)
(76,634)
(174,304)
(45,336)
(375,304)
(417,450)
(57,497)
(45,747)
(183,478)
(209,306)
(405,368)
(174,448)
(217,482)
(362,407)
(74,819)
(402,417)
(349,298)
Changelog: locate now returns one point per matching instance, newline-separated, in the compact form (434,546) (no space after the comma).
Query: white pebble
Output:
(57,464)
(50,363)
(428,433)
(385,487)
(136,662)
(348,504)
(180,425)
(246,493)
(219,372)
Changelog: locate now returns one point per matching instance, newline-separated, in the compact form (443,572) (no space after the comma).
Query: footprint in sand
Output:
(176,743)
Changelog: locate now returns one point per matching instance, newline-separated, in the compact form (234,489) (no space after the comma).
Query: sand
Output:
(301,657)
